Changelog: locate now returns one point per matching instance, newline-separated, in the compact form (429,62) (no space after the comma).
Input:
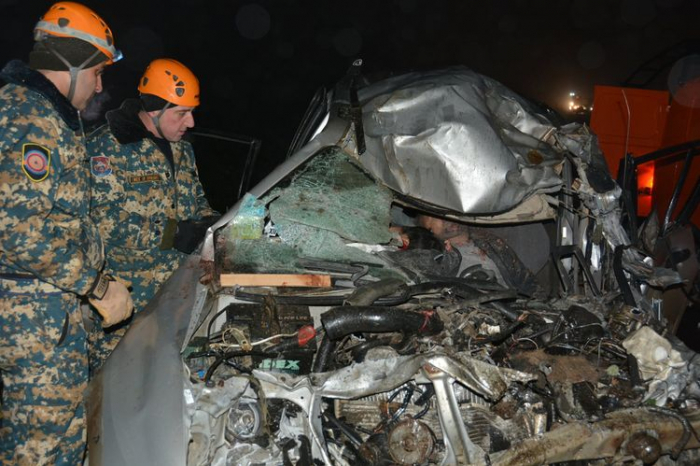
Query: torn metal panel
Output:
(139,397)
(536,208)
(610,438)
(457,140)
(605,207)
(385,374)
(584,145)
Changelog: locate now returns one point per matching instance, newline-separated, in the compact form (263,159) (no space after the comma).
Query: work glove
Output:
(112,300)
(186,235)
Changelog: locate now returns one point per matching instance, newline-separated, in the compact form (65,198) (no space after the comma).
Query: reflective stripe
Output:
(94,40)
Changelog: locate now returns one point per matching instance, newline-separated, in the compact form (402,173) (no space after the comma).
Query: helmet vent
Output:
(63,22)
(180,91)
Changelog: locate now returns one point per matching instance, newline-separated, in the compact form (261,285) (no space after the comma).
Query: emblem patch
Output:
(36,162)
(144,178)
(100,166)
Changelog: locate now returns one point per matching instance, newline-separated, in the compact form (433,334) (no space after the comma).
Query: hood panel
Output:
(457,140)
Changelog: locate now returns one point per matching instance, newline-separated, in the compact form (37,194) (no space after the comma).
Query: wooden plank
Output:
(273,279)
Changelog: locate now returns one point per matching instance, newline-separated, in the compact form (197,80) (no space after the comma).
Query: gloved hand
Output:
(115,305)
(191,232)
(185,235)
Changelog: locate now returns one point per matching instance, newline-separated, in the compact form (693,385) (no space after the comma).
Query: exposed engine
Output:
(472,354)
(389,383)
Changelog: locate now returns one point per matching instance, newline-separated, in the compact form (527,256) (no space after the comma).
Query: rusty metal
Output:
(678,447)
(410,442)
(644,447)
(597,440)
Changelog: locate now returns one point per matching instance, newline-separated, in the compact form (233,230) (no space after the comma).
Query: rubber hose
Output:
(341,321)
(323,355)
(367,294)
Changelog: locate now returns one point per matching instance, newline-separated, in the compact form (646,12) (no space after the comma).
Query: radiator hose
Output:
(345,320)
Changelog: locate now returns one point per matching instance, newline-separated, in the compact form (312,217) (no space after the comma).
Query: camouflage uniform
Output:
(50,252)
(135,190)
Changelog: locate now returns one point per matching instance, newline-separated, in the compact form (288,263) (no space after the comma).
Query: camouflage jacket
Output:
(135,190)
(45,229)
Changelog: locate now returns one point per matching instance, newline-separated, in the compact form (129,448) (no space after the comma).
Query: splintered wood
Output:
(272,279)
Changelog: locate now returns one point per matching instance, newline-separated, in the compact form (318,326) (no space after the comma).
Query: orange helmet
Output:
(70,19)
(171,81)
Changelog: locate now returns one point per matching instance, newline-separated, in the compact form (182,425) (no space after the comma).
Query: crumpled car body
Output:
(301,333)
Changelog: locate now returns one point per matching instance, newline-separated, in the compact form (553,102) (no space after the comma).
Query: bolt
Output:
(409,443)
(644,447)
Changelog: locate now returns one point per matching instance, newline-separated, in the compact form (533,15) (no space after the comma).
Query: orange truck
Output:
(643,122)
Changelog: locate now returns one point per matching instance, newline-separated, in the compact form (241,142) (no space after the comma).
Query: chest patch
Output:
(100,166)
(134,179)
(36,162)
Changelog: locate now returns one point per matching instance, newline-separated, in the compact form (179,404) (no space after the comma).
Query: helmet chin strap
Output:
(156,119)
(73,70)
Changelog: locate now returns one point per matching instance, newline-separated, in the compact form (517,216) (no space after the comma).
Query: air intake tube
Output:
(341,321)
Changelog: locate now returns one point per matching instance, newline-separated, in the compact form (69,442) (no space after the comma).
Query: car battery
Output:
(261,321)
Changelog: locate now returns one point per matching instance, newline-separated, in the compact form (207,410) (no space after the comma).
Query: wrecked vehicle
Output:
(302,333)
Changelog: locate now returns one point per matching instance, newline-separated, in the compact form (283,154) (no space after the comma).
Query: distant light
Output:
(572,94)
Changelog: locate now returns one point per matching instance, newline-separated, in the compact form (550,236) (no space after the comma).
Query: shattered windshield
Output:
(325,208)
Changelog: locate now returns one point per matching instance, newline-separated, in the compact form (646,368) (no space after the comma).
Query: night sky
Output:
(260,62)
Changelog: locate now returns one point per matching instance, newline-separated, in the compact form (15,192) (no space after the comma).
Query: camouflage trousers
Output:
(44,366)
(145,279)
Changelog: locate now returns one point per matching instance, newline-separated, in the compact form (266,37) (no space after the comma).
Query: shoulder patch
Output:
(100,166)
(36,162)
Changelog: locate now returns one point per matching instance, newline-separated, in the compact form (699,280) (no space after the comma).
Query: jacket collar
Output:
(18,73)
(125,123)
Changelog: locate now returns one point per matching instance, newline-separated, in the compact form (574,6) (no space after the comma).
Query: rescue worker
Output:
(146,195)
(51,253)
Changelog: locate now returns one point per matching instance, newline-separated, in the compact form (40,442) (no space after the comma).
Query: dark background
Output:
(260,62)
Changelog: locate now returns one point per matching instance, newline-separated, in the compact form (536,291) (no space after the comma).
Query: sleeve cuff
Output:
(88,282)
